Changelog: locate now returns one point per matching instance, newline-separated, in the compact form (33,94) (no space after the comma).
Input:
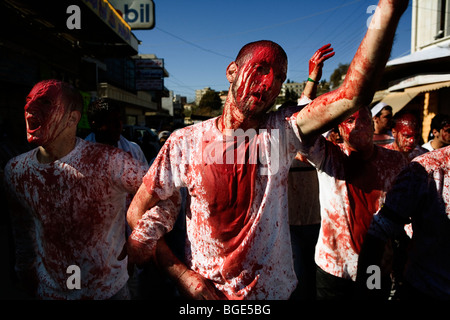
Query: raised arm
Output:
(362,77)
(315,71)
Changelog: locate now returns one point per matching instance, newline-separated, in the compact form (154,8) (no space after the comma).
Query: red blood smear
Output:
(362,208)
(229,192)
(364,190)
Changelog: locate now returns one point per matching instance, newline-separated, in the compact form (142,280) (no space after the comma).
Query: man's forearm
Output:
(310,90)
(367,66)
(167,261)
(190,283)
(142,201)
(150,226)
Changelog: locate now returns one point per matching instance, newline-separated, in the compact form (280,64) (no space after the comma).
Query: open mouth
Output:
(33,124)
(258,95)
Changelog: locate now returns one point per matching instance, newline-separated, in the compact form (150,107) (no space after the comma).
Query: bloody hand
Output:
(138,253)
(317,60)
(193,286)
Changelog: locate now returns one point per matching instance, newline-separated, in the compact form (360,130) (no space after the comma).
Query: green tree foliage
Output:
(211,99)
(337,75)
(291,95)
(323,87)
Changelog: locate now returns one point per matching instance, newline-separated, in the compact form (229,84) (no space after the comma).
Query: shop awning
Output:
(434,52)
(429,87)
(397,100)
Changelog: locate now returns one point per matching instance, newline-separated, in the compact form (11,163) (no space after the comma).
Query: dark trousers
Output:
(303,240)
(329,287)
(409,292)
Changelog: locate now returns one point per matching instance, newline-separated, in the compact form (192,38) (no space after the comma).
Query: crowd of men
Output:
(225,181)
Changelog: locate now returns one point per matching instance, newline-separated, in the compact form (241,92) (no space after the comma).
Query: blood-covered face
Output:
(258,81)
(357,130)
(406,133)
(44,113)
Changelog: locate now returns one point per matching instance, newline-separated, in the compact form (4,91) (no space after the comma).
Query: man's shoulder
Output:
(128,145)
(93,152)
(22,158)
(285,112)
(194,131)
(428,146)
(391,160)
(436,159)
(389,152)
(18,166)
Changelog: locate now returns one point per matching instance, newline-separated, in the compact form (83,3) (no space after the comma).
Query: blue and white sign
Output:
(139,14)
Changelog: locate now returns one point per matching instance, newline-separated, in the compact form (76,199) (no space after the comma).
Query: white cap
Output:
(377,108)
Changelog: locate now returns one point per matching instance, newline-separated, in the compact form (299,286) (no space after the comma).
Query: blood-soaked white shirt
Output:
(421,194)
(351,192)
(237,221)
(74,215)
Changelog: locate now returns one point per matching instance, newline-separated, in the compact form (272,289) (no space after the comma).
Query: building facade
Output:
(83,42)
(295,87)
(420,82)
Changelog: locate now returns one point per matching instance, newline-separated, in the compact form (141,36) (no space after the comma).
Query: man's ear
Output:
(232,71)
(436,133)
(74,118)
(375,119)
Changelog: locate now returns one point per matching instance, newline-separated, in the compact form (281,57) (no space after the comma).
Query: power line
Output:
(193,44)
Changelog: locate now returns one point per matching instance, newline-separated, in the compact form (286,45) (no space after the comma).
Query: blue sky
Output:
(198,39)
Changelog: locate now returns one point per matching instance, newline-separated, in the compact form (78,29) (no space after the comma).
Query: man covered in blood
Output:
(406,133)
(67,199)
(354,177)
(420,195)
(238,243)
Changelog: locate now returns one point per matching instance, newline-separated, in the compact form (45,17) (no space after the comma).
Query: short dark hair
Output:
(439,121)
(405,114)
(73,101)
(250,48)
(388,108)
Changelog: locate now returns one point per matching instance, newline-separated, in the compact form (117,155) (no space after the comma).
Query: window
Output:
(431,22)
(443,20)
